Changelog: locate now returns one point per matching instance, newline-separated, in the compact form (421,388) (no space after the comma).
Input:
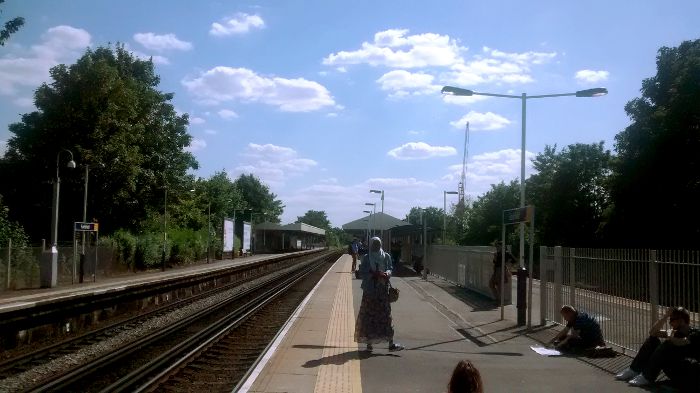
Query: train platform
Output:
(27,298)
(439,326)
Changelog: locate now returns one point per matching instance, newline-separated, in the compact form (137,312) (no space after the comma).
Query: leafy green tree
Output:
(107,110)
(486,214)
(257,197)
(656,176)
(317,218)
(10,27)
(10,229)
(570,194)
(433,217)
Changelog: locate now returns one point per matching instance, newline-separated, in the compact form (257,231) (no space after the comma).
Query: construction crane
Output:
(463,180)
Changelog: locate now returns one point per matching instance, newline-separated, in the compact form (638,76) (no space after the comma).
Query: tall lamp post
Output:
(374,218)
(381,231)
(370,216)
(50,277)
(444,214)
(595,92)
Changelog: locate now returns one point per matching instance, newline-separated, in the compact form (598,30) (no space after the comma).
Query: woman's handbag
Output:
(393,293)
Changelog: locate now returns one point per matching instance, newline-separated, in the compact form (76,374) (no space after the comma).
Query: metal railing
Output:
(470,267)
(20,266)
(625,290)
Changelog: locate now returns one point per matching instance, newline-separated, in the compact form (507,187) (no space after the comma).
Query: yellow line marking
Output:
(340,371)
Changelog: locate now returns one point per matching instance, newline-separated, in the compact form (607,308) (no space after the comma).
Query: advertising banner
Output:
(246,237)
(228,235)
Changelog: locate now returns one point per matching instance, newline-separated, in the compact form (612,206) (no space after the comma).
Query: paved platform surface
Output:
(12,300)
(316,353)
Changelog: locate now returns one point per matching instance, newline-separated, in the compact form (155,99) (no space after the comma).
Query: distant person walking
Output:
(374,323)
(465,379)
(354,250)
(495,282)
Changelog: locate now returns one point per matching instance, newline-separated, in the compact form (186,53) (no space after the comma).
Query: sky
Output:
(325,100)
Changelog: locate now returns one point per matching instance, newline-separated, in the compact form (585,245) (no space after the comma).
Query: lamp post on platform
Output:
(444,212)
(368,219)
(457,91)
(381,231)
(50,276)
(374,212)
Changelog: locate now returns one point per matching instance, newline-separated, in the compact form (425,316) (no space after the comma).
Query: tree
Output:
(656,175)
(10,230)
(259,199)
(486,215)
(11,27)
(107,110)
(317,218)
(570,194)
(433,218)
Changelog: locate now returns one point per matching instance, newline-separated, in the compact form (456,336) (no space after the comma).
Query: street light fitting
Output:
(71,164)
(595,92)
(370,204)
(451,192)
(456,91)
(375,191)
(367,211)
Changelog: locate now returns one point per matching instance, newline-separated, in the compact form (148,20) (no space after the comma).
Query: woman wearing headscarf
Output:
(374,319)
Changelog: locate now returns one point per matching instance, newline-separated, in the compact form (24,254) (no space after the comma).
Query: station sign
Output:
(521,214)
(86,227)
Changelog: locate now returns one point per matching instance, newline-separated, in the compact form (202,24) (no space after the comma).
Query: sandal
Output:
(396,347)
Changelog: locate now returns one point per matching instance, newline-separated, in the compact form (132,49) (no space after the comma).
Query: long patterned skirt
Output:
(374,319)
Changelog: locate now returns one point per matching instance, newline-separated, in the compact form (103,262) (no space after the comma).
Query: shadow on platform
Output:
(341,358)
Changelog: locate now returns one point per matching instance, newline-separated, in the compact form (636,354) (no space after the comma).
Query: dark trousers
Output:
(655,356)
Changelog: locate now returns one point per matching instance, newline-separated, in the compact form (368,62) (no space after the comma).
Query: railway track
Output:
(45,354)
(208,350)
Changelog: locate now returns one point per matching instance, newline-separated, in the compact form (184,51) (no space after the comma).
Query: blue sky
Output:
(324,100)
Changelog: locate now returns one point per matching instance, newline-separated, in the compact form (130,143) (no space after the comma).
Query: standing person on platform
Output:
(678,355)
(354,251)
(465,379)
(374,319)
(495,282)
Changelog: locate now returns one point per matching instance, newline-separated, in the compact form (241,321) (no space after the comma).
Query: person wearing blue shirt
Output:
(581,332)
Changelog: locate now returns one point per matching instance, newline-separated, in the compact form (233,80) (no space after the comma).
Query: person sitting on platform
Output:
(374,324)
(677,356)
(582,332)
(465,379)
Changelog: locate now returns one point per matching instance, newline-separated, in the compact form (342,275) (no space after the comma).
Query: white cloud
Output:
(221,84)
(273,164)
(162,42)
(196,145)
(227,114)
(494,66)
(402,83)
(395,48)
(331,114)
(414,132)
(25,69)
(420,151)
(590,76)
(462,100)
(490,168)
(210,131)
(240,23)
(342,70)
(197,120)
(481,121)
(156,59)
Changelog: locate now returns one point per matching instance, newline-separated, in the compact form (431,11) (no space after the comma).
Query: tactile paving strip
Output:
(340,368)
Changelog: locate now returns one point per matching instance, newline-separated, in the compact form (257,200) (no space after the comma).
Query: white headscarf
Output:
(377,258)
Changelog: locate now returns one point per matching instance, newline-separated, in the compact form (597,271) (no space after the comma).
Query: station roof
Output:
(379,221)
(295,227)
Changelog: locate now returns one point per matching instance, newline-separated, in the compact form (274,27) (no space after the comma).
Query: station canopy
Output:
(295,227)
(378,222)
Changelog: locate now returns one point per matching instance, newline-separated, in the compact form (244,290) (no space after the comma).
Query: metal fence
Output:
(20,266)
(625,290)
(468,266)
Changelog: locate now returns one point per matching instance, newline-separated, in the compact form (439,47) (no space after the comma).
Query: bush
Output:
(148,251)
(124,244)
(187,245)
